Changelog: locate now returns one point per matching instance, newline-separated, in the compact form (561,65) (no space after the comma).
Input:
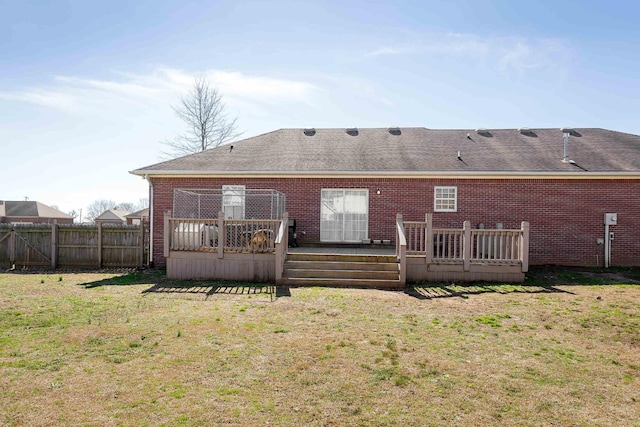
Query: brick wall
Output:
(566,216)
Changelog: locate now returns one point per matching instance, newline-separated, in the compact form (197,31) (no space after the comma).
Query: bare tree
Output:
(143,203)
(97,207)
(126,206)
(208,126)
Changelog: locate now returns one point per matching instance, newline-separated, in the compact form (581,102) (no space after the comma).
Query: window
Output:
(233,201)
(445,199)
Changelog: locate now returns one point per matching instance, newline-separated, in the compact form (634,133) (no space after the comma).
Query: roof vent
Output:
(524,131)
(565,135)
(483,132)
(309,131)
(352,131)
(394,130)
(570,131)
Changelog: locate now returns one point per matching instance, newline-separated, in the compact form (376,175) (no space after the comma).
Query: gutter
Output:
(387,174)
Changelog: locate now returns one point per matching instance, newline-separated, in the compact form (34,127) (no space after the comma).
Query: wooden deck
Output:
(215,249)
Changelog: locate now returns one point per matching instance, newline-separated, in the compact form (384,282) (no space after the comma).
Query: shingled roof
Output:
(30,209)
(414,151)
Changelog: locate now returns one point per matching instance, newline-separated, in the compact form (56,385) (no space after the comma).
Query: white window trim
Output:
(455,199)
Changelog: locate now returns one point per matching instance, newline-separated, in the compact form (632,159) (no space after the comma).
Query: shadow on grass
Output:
(212,288)
(539,279)
(132,278)
(446,290)
(161,284)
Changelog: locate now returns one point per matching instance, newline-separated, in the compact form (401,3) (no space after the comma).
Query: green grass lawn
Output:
(104,349)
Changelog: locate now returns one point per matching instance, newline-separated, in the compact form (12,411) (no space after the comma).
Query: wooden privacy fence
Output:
(53,246)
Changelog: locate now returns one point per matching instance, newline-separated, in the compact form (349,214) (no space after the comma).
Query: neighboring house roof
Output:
(142,213)
(414,151)
(30,209)
(112,215)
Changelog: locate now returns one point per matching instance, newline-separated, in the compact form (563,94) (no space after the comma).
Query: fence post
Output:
(100,244)
(54,246)
(141,252)
(222,235)
(12,247)
(428,219)
(524,246)
(466,254)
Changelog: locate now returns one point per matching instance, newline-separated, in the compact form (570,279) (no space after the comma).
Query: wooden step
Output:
(361,271)
(342,274)
(341,265)
(340,257)
(350,283)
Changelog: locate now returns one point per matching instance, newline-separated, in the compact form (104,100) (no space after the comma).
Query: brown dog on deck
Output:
(260,239)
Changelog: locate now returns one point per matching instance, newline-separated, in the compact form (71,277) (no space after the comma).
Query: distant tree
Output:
(73,214)
(208,126)
(126,206)
(143,203)
(97,207)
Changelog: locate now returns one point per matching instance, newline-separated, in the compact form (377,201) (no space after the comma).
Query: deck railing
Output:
(467,245)
(220,235)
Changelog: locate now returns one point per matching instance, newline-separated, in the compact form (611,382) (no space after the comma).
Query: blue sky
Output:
(86,87)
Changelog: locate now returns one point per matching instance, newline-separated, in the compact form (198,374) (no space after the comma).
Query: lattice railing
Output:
(209,235)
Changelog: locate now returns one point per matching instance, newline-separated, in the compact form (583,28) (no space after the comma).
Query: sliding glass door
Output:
(344,215)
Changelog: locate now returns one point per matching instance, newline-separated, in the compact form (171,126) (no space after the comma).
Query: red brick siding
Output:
(566,216)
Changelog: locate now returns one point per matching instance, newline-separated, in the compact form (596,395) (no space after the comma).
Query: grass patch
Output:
(137,349)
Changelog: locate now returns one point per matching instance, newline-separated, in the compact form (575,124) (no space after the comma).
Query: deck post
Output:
(282,242)
(466,254)
(285,235)
(401,249)
(428,219)
(222,235)
(524,246)
(167,234)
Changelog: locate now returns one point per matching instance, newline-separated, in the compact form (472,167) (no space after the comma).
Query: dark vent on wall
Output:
(352,131)
(394,130)
(309,131)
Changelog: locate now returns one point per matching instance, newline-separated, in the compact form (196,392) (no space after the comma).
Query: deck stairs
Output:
(360,271)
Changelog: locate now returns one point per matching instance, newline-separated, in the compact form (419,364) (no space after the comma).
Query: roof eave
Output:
(390,174)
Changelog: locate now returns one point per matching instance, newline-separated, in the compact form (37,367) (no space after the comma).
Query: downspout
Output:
(607,245)
(150,260)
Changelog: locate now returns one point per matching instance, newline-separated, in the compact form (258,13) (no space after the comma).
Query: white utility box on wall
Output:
(610,219)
